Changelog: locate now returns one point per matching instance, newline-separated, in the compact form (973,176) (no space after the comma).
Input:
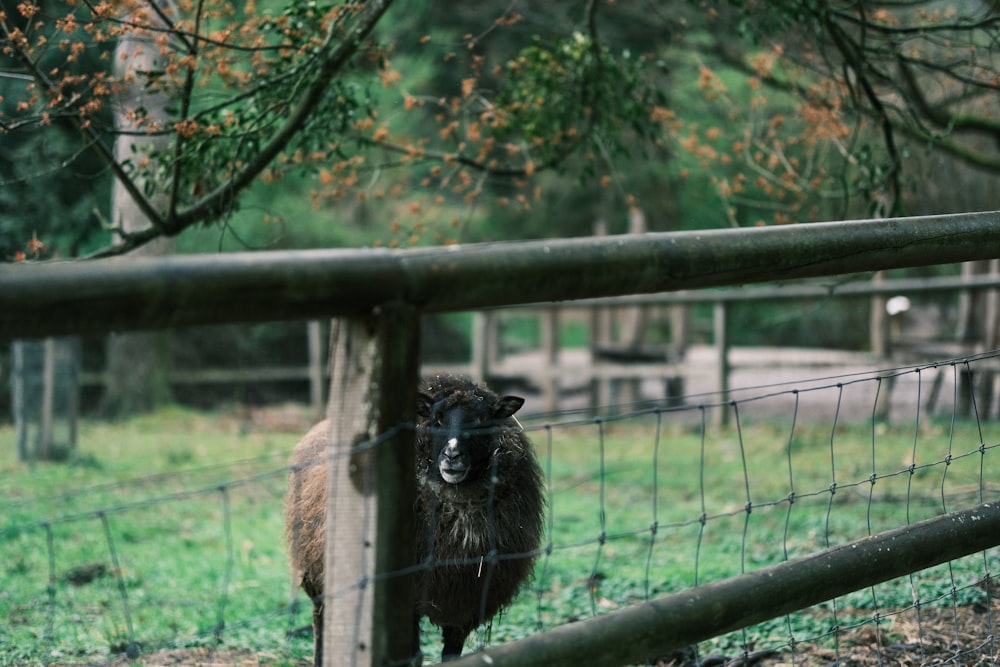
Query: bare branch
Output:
(938,114)
(129,241)
(442,156)
(186,91)
(851,53)
(921,30)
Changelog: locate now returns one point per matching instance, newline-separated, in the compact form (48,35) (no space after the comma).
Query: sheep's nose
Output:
(451,451)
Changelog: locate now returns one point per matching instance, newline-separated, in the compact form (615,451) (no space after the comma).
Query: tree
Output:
(921,79)
(260,88)
(442,122)
(918,71)
(137,363)
(187,104)
(815,105)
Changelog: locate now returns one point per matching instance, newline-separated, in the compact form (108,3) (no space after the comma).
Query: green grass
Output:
(793,511)
(176,517)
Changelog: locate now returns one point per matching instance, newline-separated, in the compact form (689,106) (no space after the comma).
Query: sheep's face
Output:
(462,430)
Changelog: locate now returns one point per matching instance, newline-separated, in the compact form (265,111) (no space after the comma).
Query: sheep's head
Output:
(462,428)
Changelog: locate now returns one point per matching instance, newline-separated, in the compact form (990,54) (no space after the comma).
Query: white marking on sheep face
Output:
(453,465)
(462,429)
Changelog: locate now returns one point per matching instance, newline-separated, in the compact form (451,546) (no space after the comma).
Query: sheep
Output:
(478,512)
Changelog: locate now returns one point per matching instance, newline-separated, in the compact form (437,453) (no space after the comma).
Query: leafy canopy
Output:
(743,112)
(255,90)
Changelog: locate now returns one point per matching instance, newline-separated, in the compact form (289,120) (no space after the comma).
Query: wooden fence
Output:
(626,358)
(631,358)
(380,295)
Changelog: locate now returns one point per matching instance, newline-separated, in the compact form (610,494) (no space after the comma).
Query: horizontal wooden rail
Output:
(646,631)
(854,288)
(146,293)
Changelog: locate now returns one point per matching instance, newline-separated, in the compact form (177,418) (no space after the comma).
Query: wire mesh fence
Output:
(676,501)
(101,564)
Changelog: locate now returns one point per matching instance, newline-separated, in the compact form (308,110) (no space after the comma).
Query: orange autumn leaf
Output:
(468,85)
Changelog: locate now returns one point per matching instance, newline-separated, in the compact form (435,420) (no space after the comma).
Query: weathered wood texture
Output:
(368,590)
(351,486)
(106,295)
(397,367)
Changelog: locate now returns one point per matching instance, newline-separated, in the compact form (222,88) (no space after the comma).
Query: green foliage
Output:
(573,93)
(759,19)
(195,525)
(835,324)
(50,191)
(218,139)
(444,134)
(52,187)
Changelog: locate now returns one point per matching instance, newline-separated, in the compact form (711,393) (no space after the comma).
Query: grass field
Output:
(165,531)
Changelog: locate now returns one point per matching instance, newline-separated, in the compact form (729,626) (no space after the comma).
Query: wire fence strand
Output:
(642,501)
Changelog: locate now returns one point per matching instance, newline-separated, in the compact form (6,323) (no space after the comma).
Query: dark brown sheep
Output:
(478,512)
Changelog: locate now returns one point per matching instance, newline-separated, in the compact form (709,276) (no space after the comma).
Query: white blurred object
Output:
(897,305)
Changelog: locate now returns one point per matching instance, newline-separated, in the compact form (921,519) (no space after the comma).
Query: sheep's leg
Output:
(418,654)
(454,639)
(317,634)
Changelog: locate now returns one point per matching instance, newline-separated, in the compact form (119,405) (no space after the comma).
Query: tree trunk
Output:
(137,363)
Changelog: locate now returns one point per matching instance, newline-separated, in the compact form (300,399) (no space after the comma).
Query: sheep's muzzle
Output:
(453,464)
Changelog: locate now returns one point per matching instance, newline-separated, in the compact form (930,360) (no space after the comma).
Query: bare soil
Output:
(186,657)
(961,636)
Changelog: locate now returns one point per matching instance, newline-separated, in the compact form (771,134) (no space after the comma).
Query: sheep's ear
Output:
(507,406)
(424,405)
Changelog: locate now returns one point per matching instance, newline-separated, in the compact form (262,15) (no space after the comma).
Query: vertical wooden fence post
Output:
(550,346)
(991,320)
(350,508)
(368,619)
(721,335)
(483,323)
(396,639)
(46,419)
(19,398)
(316,370)
(878,325)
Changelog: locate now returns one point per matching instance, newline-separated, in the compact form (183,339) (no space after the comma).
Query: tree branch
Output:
(444,157)
(220,200)
(987,22)
(907,85)
(850,51)
(332,59)
(91,137)
(940,116)
(179,139)
(129,241)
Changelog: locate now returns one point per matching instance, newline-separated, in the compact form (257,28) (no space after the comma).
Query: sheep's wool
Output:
(476,539)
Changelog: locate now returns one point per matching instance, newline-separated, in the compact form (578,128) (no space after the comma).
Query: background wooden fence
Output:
(617,358)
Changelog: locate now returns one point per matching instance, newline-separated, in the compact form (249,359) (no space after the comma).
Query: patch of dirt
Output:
(929,636)
(182,657)
(961,636)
